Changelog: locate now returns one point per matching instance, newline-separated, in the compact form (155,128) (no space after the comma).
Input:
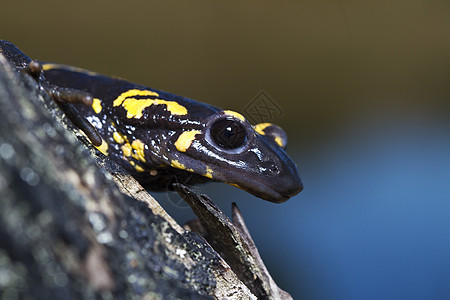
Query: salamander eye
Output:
(228,133)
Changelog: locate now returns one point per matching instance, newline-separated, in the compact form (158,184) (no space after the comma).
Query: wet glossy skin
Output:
(162,138)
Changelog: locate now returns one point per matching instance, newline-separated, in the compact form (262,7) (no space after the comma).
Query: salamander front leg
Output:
(65,97)
(79,121)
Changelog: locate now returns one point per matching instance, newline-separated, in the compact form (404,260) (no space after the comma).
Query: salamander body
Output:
(160,137)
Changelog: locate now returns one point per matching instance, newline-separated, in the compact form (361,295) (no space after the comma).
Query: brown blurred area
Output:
(325,63)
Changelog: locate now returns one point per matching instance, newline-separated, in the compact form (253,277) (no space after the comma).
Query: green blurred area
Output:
(325,63)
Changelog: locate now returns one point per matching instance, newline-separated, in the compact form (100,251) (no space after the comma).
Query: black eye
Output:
(228,133)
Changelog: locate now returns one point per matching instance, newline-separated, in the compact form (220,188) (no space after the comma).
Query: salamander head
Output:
(229,149)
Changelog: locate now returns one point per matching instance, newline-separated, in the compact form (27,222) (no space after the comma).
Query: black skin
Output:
(226,147)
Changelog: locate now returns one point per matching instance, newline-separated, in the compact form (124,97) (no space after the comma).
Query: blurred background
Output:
(363,88)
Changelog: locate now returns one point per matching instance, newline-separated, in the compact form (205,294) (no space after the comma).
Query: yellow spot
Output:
(185,140)
(126,149)
(118,138)
(97,105)
(259,128)
(103,148)
(234,114)
(139,168)
(176,164)
(279,141)
(138,145)
(135,107)
(133,93)
(209,172)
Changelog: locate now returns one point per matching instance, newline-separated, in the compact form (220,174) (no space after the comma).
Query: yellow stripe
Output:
(234,114)
(103,148)
(138,145)
(126,149)
(259,128)
(46,67)
(97,105)
(209,172)
(279,141)
(133,93)
(135,107)
(176,164)
(118,138)
(139,168)
(185,140)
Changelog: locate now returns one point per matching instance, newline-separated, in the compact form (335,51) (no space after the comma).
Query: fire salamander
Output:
(160,137)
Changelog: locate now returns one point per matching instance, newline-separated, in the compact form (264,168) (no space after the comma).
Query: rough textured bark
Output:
(70,230)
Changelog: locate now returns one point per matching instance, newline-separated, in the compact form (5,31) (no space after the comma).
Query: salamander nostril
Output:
(274,169)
